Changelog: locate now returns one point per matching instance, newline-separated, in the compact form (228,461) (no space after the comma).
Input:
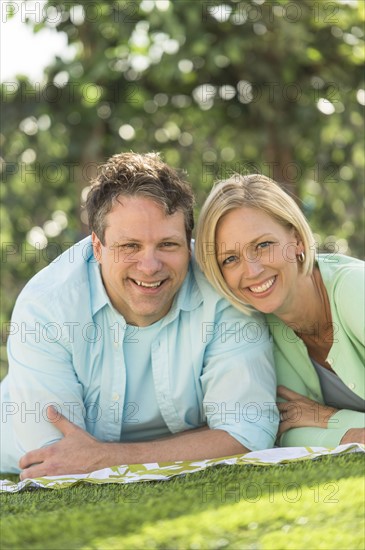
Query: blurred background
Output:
(254,86)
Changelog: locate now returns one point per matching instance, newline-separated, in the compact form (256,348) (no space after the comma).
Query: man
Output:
(122,334)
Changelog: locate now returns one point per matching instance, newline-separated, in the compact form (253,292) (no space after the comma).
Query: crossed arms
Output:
(79,452)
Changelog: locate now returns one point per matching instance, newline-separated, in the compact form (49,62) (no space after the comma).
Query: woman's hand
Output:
(299,411)
(354,435)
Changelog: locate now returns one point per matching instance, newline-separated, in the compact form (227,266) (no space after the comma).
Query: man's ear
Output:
(96,242)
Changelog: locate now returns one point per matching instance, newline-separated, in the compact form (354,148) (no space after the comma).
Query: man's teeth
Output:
(262,288)
(148,285)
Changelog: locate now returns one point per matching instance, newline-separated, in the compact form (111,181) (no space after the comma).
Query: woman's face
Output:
(258,259)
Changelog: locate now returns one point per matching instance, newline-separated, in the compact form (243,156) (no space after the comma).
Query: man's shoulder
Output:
(210,299)
(62,279)
(206,289)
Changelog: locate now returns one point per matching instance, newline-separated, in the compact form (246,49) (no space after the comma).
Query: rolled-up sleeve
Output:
(338,425)
(40,374)
(239,382)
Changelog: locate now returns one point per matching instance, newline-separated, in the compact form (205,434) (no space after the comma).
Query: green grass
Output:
(312,504)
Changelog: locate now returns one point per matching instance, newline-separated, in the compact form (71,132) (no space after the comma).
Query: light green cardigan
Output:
(345,283)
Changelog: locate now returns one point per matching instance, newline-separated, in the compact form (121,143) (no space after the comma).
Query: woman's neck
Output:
(309,311)
(310,317)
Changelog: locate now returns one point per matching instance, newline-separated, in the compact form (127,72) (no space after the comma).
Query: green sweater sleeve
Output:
(344,281)
(339,424)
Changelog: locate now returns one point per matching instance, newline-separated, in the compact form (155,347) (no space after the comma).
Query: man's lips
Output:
(150,285)
(262,287)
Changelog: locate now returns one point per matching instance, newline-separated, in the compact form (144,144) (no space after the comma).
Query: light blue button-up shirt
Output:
(210,363)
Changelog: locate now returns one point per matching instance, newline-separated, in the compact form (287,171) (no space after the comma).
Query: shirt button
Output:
(115,397)
(352,386)
(116,344)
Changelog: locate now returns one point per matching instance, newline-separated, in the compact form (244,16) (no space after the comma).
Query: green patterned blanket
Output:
(163,471)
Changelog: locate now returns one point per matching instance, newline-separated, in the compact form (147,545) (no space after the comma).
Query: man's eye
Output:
(168,244)
(129,246)
(230,260)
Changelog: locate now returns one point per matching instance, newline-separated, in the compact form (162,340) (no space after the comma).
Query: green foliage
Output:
(309,504)
(254,86)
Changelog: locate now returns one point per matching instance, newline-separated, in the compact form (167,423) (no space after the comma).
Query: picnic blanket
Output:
(164,471)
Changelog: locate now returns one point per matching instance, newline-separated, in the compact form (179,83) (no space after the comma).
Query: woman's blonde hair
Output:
(253,191)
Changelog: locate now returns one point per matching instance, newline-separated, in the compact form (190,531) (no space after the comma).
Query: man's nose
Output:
(149,262)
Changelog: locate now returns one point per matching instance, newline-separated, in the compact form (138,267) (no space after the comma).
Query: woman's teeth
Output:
(261,288)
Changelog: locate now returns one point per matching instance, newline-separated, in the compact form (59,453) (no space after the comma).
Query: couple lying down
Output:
(123,351)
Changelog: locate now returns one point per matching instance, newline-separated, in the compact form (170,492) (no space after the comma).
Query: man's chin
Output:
(144,316)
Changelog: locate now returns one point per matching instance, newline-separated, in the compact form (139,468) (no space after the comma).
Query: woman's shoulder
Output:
(345,283)
(338,267)
(340,260)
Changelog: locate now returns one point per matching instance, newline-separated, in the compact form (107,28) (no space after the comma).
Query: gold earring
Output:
(301,257)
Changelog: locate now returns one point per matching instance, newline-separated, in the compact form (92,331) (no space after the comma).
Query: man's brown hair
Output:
(138,175)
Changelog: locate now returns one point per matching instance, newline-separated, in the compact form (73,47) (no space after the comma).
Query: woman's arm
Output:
(305,422)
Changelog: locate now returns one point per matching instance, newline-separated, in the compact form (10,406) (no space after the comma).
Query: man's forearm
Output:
(191,445)
(78,452)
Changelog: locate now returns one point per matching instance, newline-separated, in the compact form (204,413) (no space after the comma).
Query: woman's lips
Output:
(262,287)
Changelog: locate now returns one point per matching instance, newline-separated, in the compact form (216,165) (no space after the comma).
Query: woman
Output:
(257,249)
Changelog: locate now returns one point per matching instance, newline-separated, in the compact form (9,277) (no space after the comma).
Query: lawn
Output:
(304,505)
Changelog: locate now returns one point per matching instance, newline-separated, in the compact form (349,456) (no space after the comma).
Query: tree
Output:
(254,86)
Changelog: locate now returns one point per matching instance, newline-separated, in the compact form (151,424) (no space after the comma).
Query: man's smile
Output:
(155,284)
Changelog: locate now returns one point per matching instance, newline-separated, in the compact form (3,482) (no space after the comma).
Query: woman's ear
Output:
(300,245)
(300,248)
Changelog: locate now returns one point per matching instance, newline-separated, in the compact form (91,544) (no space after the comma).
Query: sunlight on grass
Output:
(297,517)
(310,504)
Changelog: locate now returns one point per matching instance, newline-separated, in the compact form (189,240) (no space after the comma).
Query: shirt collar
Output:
(188,298)
(98,295)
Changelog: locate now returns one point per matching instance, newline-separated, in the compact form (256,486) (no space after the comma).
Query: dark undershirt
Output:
(335,392)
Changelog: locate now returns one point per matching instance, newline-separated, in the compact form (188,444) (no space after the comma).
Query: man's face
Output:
(144,260)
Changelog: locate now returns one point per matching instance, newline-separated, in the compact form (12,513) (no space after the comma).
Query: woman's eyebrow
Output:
(225,252)
(238,246)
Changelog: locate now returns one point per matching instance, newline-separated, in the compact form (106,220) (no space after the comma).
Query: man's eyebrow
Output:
(178,238)
(125,238)
(122,240)
(224,251)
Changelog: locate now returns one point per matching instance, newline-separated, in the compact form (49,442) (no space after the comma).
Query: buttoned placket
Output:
(114,380)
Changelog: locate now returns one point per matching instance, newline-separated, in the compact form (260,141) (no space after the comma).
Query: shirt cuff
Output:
(339,423)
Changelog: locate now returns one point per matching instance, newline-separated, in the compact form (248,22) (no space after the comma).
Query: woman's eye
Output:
(265,244)
(230,260)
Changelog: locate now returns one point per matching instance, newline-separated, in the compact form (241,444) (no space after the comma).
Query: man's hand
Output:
(77,453)
(299,411)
